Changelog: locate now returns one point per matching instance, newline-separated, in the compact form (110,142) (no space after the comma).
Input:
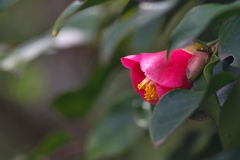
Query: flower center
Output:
(150,88)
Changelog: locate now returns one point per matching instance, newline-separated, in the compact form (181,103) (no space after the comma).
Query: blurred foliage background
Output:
(69,98)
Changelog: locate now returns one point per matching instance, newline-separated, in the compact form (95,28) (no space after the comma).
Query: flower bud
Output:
(196,65)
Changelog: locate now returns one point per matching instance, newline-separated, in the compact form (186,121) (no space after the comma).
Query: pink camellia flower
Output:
(153,75)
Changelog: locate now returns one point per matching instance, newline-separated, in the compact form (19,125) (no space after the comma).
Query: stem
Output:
(215,49)
(212,42)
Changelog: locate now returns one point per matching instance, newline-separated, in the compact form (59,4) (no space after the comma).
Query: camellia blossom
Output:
(153,75)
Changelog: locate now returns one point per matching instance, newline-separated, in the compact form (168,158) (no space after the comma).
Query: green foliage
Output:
(112,117)
(174,108)
(196,21)
(66,14)
(115,133)
(229,120)
(209,68)
(72,9)
(143,17)
(228,38)
(199,83)
(209,103)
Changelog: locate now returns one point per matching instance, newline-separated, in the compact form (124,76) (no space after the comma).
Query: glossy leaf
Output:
(208,69)
(224,66)
(6,3)
(176,106)
(115,133)
(148,12)
(90,3)
(172,110)
(211,107)
(199,83)
(197,20)
(73,8)
(209,103)
(229,119)
(229,35)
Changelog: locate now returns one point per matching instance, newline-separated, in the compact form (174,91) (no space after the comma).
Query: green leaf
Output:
(197,20)
(232,154)
(115,133)
(200,83)
(148,12)
(229,129)
(72,9)
(6,3)
(51,142)
(90,3)
(211,106)
(172,110)
(176,106)
(208,69)
(229,35)
(209,103)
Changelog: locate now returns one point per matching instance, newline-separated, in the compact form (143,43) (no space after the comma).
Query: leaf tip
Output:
(159,142)
(54,33)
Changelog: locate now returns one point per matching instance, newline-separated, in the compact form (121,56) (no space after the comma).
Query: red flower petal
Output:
(130,61)
(166,74)
(169,73)
(162,91)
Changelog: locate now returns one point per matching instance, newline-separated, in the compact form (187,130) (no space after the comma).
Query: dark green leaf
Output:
(174,108)
(115,133)
(130,6)
(200,83)
(209,103)
(219,81)
(49,144)
(229,129)
(73,8)
(148,12)
(208,69)
(90,3)
(6,3)
(211,106)
(229,36)
(197,20)
(232,154)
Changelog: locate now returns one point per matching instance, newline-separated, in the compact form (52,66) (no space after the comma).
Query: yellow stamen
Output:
(150,88)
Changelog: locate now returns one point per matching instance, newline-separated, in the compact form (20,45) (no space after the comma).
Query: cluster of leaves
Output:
(208,92)
(152,26)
